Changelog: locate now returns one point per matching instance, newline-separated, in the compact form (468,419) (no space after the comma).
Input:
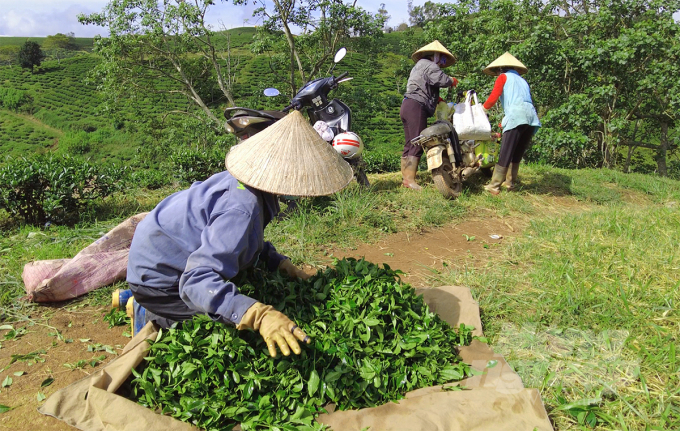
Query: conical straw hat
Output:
(435,46)
(289,158)
(506,60)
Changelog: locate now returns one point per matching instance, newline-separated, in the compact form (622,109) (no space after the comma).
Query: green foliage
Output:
(172,47)
(330,24)
(150,179)
(193,164)
(30,55)
(13,99)
(373,339)
(378,161)
(601,69)
(9,54)
(60,41)
(116,317)
(56,189)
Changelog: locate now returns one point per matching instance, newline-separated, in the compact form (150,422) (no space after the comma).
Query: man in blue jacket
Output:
(187,249)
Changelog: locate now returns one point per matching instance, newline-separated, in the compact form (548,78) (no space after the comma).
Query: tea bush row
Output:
(57,189)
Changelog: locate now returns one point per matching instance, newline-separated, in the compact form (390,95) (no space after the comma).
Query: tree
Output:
(383,14)
(421,15)
(9,54)
(324,26)
(30,55)
(602,72)
(401,27)
(59,43)
(163,48)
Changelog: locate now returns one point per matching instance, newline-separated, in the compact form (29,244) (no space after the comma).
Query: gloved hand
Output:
(454,82)
(287,267)
(275,327)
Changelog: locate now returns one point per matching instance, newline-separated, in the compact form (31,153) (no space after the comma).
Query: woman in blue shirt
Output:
(187,250)
(519,123)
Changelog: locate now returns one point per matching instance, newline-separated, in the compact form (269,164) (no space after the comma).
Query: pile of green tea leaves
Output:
(373,340)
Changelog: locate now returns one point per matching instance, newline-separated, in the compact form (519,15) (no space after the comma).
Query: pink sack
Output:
(99,264)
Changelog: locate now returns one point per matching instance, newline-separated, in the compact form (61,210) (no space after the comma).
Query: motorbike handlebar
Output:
(289,107)
(342,75)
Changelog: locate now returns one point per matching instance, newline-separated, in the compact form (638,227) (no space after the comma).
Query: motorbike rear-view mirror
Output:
(271,92)
(340,55)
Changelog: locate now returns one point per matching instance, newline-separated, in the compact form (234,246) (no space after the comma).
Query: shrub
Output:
(150,179)
(12,98)
(55,188)
(379,161)
(197,164)
(75,143)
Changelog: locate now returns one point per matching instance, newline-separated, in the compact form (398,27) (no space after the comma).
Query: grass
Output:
(583,304)
(83,43)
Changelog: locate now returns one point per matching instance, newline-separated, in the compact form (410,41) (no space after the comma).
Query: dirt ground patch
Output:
(472,242)
(80,328)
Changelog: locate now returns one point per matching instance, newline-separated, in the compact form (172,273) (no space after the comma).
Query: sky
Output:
(47,17)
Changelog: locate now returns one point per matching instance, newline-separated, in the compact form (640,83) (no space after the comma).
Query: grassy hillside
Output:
(83,43)
(66,111)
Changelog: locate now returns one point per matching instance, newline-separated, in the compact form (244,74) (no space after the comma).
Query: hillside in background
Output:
(67,114)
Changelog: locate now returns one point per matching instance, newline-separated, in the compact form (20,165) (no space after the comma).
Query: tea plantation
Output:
(62,110)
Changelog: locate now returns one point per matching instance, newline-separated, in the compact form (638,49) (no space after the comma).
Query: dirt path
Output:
(472,242)
(46,356)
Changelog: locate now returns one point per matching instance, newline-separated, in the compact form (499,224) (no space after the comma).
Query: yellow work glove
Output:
(275,328)
(287,267)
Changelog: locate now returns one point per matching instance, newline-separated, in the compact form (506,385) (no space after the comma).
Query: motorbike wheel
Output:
(446,185)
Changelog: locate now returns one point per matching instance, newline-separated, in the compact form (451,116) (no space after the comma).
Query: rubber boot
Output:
(409,168)
(511,177)
(499,173)
(137,315)
(120,297)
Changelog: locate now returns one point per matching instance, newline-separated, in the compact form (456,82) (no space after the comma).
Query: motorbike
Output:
(313,96)
(450,160)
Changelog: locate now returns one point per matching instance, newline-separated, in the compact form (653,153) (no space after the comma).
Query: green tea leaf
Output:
(313,383)
(48,381)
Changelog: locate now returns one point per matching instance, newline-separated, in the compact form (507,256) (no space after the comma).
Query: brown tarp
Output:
(492,400)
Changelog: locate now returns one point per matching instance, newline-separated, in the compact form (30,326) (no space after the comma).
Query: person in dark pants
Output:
(187,250)
(420,101)
(519,123)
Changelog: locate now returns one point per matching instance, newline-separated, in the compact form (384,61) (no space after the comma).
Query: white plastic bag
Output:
(470,121)
(324,131)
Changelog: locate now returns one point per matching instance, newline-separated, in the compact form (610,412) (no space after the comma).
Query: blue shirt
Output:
(200,238)
(517,104)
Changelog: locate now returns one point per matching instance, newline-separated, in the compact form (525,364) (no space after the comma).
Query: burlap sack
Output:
(494,400)
(99,264)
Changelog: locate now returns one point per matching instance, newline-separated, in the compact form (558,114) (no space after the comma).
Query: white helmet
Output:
(348,144)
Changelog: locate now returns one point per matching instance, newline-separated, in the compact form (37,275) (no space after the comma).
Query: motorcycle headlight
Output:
(229,128)
(243,121)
